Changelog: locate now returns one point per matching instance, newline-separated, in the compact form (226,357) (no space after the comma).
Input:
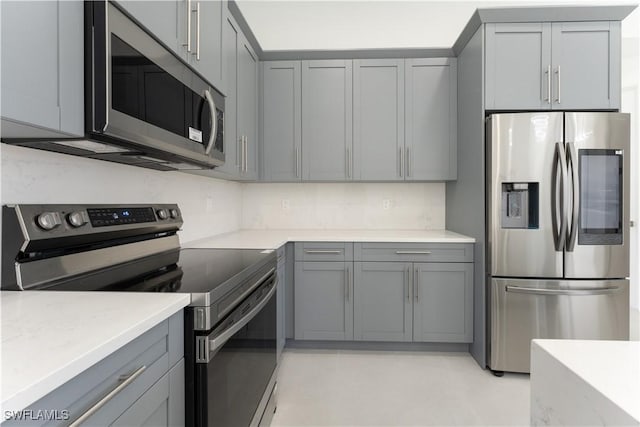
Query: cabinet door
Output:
(41,60)
(323,295)
(151,409)
(378,119)
(443,298)
(326,120)
(431,117)
(230,44)
(247,107)
(382,301)
(160,18)
(518,62)
(586,65)
(206,57)
(281,136)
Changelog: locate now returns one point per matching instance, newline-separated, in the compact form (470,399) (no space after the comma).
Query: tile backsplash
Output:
(209,206)
(401,206)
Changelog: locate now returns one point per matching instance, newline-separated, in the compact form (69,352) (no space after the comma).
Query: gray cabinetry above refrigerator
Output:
(552,65)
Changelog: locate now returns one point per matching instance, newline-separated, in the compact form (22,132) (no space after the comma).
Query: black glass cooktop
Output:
(207,274)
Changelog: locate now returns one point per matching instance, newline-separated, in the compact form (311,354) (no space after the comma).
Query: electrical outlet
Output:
(285,204)
(386,204)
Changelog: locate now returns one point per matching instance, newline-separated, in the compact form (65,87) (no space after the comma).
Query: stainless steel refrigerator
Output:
(558,230)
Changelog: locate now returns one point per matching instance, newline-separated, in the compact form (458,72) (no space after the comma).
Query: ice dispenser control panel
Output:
(520,205)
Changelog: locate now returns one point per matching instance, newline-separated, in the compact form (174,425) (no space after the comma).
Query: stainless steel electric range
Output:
(230,325)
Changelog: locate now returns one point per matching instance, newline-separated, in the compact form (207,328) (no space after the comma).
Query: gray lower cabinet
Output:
(443,302)
(140,384)
(559,65)
(383,307)
(430,119)
(42,77)
(323,295)
(281,121)
(326,120)
(378,120)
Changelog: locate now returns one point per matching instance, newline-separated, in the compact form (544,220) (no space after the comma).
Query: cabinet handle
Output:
(548,73)
(347,283)
(413,252)
(124,381)
(348,160)
(198,31)
(246,153)
(400,158)
(559,88)
(417,284)
(408,271)
(188,43)
(408,162)
(295,160)
(318,251)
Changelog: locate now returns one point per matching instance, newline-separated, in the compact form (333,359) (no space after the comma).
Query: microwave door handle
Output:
(217,342)
(572,161)
(214,121)
(560,212)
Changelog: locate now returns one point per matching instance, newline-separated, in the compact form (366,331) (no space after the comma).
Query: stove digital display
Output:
(103,217)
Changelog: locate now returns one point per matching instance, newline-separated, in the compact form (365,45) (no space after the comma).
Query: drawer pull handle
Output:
(413,252)
(124,381)
(309,251)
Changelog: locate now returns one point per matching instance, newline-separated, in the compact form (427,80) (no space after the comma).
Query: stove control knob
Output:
(49,220)
(162,213)
(174,213)
(77,219)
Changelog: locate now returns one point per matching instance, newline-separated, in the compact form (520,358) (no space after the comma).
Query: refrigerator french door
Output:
(557,227)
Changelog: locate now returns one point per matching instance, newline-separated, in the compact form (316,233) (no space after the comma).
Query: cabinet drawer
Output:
(139,364)
(324,251)
(414,252)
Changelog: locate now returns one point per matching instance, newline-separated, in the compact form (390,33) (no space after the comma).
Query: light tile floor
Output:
(370,388)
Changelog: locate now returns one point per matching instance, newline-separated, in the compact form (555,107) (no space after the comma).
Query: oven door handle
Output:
(223,337)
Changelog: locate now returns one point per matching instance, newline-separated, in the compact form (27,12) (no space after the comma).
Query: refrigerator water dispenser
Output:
(520,205)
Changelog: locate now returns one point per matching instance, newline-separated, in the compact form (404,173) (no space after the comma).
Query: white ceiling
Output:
(358,24)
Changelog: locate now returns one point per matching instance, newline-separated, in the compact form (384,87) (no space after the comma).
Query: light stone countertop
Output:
(273,239)
(579,382)
(47,338)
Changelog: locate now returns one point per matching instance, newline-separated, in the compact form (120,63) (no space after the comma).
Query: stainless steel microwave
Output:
(144,99)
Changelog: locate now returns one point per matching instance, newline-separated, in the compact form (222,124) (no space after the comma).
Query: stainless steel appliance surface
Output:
(230,325)
(558,230)
(144,105)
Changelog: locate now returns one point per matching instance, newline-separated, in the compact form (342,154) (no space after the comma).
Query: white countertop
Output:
(596,382)
(273,239)
(50,337)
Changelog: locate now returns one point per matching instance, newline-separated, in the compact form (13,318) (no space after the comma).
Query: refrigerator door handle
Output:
(577,292)
(560,230)
(572,161)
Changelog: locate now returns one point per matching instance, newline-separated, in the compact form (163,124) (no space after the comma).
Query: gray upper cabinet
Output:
(160,18)
(585,57)
(230,37)
(382,301)
(518,66)
(281,121)
(559,65)
(247,108)
(443,302)
(430,119)
(378,119)
(42,80)
(323,293)
(206,55)
(326,120)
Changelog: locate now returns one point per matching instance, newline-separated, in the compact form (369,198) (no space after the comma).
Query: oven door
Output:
(235,374)
(147,98)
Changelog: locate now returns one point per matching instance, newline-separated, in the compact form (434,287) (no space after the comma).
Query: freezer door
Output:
(525,194)
(597,146)
(522,310)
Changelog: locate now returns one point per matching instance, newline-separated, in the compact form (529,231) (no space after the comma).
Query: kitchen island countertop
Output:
(50,337)
(273,239)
